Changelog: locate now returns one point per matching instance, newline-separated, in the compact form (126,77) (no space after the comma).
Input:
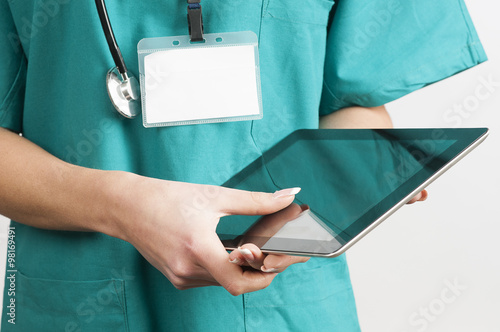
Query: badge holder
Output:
(201,78)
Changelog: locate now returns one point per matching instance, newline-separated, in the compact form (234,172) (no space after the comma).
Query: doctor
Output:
(114,223)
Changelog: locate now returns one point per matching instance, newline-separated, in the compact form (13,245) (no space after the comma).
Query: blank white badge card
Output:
(184,82)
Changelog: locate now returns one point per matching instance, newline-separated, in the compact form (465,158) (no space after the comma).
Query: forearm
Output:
(362,118)
(43,191)
(357,118)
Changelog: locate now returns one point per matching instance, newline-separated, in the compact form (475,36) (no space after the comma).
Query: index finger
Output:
(242,202)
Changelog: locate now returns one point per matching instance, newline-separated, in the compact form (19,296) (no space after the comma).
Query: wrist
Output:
(119,203)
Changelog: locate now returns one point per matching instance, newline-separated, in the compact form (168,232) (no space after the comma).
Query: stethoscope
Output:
(123,87)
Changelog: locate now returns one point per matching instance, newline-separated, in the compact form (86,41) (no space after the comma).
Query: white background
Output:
(406,265)
(401,269)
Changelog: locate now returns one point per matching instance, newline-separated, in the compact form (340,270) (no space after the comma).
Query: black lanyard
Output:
(195,23)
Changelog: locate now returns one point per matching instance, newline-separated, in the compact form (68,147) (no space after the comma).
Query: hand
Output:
(172,224)
(249,254)
(421,196)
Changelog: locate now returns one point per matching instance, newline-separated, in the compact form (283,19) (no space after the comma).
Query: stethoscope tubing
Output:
(110,37)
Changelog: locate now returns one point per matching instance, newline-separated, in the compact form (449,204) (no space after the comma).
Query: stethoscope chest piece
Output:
(124,93)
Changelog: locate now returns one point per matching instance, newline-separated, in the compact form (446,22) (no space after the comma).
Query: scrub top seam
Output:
(122,298)
(294,21)
(300,304)
(335,100)
(262,156)
(263,9)
(244,303)
(472,32)
(467,65)
(367,100)
(14,89)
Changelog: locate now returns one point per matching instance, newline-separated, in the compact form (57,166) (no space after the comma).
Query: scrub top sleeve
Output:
(12,72)
(378,51)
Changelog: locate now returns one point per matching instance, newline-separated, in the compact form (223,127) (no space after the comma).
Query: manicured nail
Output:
(247,254)
(263,269)
(286,192)
(235,261)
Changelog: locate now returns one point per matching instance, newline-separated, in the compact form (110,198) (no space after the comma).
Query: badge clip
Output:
(195,20)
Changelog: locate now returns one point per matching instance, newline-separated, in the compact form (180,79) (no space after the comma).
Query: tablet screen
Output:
(349,179)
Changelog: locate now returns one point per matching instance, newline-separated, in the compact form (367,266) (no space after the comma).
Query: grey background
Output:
(406,265)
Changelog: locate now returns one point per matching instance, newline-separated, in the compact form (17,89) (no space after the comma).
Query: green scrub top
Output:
(316,57)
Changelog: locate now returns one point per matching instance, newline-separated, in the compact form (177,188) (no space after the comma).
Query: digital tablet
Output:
(351,181)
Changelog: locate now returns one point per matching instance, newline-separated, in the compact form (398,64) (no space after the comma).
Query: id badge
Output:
(184,82)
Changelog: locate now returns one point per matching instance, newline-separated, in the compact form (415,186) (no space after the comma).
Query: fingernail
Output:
(235,261)
(286,192)
(247,254)
(263,269)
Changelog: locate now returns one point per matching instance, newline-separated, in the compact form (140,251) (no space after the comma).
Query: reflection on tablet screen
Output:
(349,179)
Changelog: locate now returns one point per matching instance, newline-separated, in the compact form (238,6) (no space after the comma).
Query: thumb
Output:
(241,202)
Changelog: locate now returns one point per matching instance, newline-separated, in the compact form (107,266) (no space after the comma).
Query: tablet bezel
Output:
(466,139)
